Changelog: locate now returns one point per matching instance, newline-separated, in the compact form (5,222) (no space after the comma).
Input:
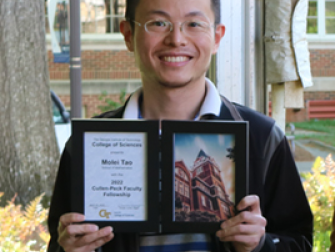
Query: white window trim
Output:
(203,200)
(100,37)
(113,41)
(97,37)
(321,36)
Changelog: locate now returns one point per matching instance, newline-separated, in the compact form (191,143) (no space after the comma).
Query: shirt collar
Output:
(212,102)
(210,106)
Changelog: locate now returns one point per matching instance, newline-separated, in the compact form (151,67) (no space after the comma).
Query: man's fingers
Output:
(246,228)
(250,203)
(241,230)
(98,243)
(84,237)
(70,218)
(80,229)
(252,240)
(244,217)
(93,237)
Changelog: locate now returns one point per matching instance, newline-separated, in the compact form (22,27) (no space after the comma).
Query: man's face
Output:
(173,59)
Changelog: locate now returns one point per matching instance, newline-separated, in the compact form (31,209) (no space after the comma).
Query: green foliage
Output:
(322,130)
(312,28)
(327,126)
(327,139)
(320,189)
(109,103)
(23,230)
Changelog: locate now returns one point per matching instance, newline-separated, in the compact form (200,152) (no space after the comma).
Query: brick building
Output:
(113,70)
(200,188)
(323,72)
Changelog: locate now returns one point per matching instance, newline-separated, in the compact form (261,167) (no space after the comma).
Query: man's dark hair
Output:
(132,4)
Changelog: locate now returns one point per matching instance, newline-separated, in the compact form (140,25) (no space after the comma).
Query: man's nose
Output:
(176,36)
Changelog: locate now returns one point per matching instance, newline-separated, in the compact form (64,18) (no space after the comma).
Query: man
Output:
(173,41)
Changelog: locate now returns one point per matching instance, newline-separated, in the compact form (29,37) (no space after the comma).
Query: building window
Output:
(199,170)
(210,205)
(330,17)
(97,16)
(216,172)
(220,192)
(187,191)
(312,18)
(204,188)
(181,188)
(185,176)
(321,17)
(176,185)
(225,208)
(203,200)
(181,173)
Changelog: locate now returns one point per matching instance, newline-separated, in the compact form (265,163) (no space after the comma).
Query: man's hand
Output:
(246,229)
(81,237)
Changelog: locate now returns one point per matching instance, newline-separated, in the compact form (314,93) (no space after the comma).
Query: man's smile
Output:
(175,58)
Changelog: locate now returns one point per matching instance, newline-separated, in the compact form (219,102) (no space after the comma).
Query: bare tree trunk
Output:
(28,149)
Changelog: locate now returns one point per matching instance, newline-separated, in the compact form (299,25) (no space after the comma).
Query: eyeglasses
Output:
(162,27)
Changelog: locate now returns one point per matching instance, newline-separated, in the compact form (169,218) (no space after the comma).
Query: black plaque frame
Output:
(151,129)
(169,129)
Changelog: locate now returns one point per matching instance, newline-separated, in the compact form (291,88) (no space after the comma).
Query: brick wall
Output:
(322,63)
(296,115)
(300,115)
(320,95)
(121,65)
(98,65)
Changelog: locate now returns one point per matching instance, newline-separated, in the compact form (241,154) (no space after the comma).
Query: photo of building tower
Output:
(200,193)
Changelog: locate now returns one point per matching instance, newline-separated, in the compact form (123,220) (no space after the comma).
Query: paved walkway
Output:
(316,149)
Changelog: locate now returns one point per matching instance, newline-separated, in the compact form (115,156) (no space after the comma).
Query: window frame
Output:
(321,35)
(112,16)
(111,36)
(187,191)
(203,200)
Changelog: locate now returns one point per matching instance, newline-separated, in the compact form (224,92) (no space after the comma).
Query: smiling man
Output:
(173,41)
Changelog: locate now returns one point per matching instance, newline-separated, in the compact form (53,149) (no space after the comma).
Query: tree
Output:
(28,149)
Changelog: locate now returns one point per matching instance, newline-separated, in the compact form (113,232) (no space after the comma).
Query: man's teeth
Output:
(176,59)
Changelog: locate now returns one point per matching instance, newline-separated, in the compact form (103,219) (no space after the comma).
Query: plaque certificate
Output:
(186,179)
(114,174)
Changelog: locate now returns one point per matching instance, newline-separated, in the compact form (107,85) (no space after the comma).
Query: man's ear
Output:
(219,33)
(127,32)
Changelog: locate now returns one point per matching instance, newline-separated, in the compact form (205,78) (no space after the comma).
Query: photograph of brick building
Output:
(201,194)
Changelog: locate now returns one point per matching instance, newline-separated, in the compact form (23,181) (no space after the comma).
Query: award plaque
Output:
(114,175)
(204,173)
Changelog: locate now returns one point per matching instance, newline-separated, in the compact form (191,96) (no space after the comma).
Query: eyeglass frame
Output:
(171,25)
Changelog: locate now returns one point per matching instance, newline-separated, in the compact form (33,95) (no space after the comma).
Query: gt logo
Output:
(104,214)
